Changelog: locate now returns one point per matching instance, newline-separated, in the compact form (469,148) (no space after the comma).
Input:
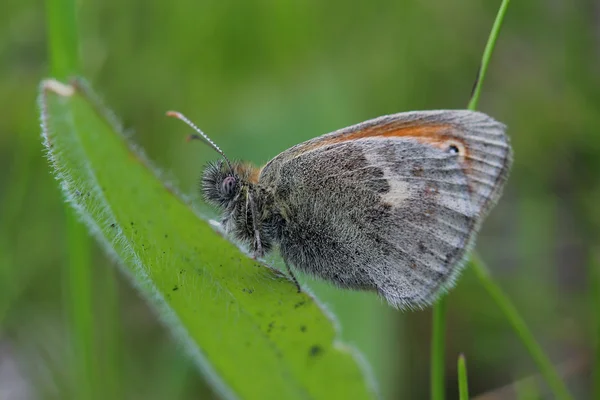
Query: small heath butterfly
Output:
(392,204)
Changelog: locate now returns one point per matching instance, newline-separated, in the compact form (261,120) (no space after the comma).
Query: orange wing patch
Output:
(440,135)
(435,135)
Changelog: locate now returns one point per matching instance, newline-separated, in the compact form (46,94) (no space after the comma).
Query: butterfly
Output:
(391,205)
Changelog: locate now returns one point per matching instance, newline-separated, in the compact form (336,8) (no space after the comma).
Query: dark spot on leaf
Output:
(303,328)
(270,327)
(175,288)
(166,236)
(249,291)
(131,223)
(299,304)
(315,350)
(112,225)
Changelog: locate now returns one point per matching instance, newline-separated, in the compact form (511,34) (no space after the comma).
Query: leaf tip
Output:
(57,87)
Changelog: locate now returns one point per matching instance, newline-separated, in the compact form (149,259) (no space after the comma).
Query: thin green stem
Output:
(594,274)
(78,300)
(544,364)
(463,386)
(64,61)
(62,38)
(111,339)
(487,54)
(518,324)
(438,384)
(439,323)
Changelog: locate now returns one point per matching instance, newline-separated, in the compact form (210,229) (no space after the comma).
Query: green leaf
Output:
(245,325)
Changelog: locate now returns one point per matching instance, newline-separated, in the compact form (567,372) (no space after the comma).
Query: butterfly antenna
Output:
(200,135)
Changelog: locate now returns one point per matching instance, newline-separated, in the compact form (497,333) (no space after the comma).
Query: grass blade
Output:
(437,345)
(78,301)
(231,313)
(62,38)
(463,386)
(518,324)
(438,367)
(487,55)
(548,371)
(64,61)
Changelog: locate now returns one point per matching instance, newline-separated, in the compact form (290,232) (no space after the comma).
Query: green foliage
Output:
(245,326)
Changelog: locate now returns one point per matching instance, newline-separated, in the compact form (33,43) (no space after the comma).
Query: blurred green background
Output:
(261,76)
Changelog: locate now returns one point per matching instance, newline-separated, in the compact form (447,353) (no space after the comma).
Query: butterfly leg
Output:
(293,277)
(258,250)
(257,245)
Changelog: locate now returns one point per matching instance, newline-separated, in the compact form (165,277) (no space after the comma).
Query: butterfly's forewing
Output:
(391,204)
(484,149)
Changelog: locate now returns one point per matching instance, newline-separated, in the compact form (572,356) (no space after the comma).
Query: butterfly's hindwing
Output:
(392,215)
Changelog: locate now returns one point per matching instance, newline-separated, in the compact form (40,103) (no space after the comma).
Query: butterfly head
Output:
(221,184)
(222,181)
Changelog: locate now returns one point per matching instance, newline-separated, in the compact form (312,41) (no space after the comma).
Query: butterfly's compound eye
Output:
(452,149)
(456,148)
(228,185)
